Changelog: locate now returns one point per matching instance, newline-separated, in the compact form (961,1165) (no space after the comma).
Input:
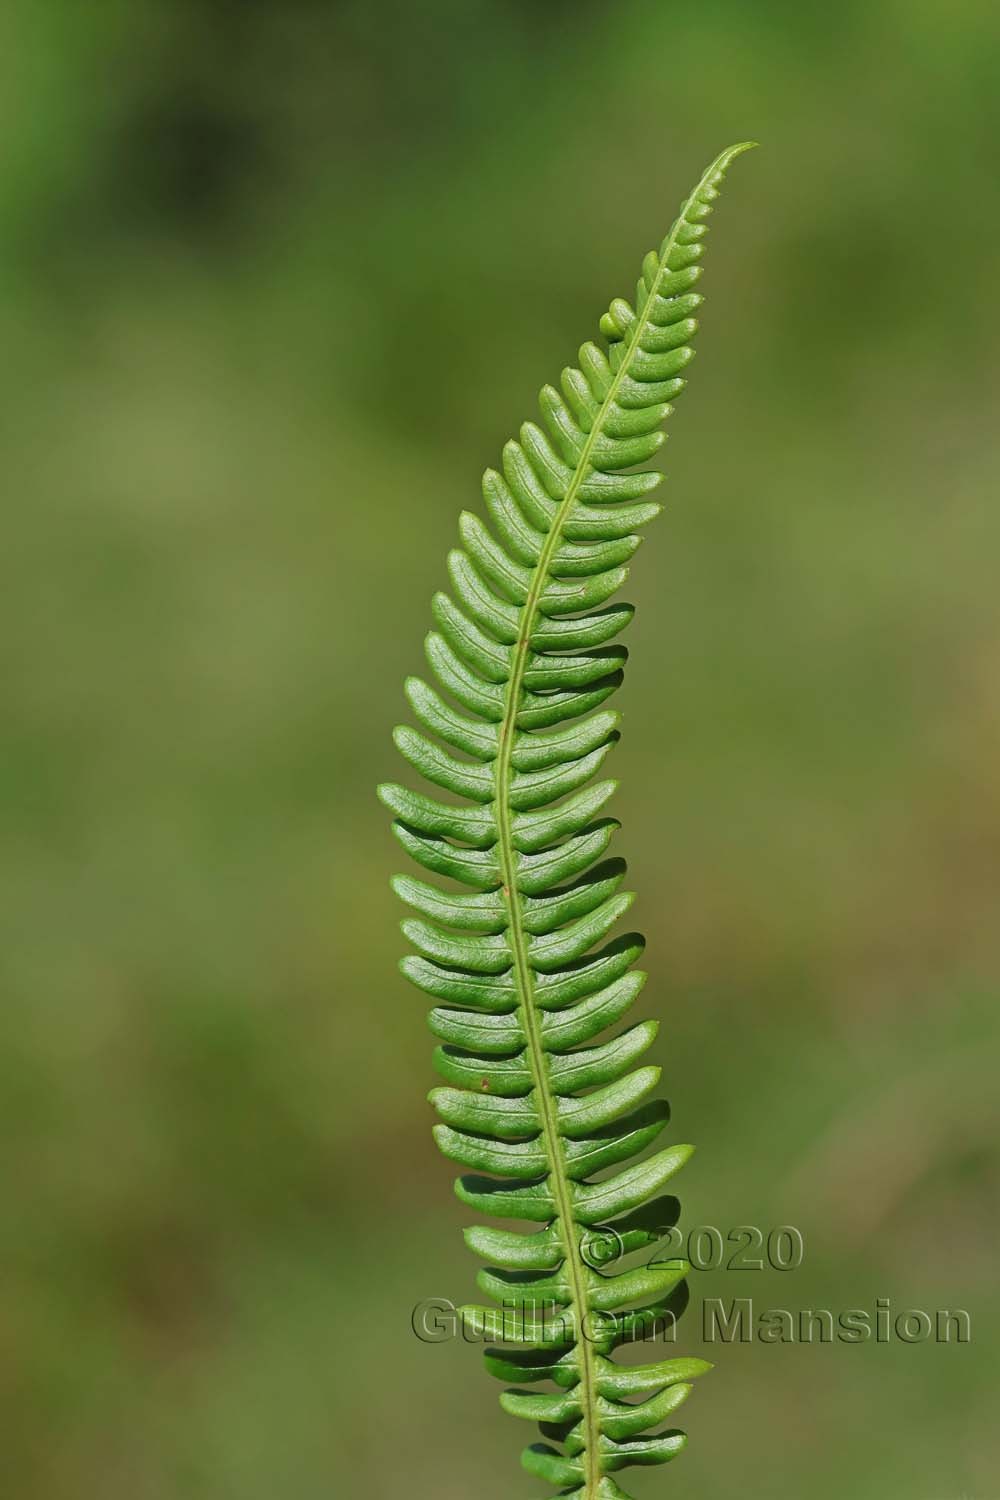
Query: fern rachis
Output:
(528,1099)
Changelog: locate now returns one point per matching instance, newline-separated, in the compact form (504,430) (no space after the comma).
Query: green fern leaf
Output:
(533,1104)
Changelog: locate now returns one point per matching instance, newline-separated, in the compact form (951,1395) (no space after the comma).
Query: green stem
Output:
(524,978)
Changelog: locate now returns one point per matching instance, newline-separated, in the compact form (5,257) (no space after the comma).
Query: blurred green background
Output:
(276,281)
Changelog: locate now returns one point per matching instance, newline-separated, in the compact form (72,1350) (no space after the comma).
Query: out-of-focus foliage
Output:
(226,229)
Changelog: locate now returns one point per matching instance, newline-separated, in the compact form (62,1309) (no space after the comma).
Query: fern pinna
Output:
(531,1100)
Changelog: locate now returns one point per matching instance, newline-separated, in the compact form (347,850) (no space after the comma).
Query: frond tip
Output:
(538,1098)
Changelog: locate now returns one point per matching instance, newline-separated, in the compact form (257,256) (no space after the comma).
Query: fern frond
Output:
(545,1116)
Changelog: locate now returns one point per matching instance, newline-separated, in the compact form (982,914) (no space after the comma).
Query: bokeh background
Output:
(276,281)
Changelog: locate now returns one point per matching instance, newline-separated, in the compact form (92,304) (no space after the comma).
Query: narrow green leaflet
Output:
(551,1110)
